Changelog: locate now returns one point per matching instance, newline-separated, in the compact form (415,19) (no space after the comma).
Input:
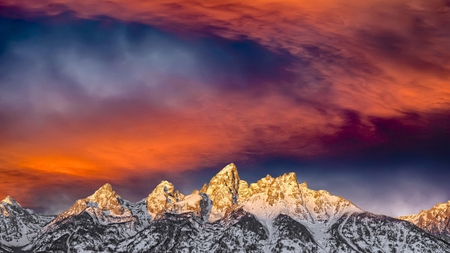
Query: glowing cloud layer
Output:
(94,91)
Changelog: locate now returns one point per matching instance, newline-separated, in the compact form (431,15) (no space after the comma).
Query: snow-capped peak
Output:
(270,197)
(435,220)
(10,201)
(427,216)
(106,189)
(165,199)
(102,203)
(105,198)
(274,189)
(6,204)
(324,207)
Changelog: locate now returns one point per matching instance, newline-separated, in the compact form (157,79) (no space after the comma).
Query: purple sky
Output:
(353,97)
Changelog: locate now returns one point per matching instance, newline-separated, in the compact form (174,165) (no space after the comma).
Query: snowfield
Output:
(226,215)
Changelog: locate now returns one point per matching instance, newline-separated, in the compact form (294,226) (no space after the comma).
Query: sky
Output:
(353,96)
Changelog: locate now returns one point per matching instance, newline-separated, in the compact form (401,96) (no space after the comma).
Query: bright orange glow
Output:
(218,127)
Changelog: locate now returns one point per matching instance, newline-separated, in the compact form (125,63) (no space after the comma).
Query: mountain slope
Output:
(18,226)
(435,221)
(94,223)
(367,232)
(270,197)
(226,215)
(104,205)
(241,231)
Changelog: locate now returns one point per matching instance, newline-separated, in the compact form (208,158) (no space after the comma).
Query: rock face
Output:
(162,198)
(19,226)
(104,205)
(366,232)
(223,191)
(226,215)
(435,221)
(95,223)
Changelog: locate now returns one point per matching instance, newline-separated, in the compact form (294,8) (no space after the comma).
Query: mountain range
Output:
(226,215)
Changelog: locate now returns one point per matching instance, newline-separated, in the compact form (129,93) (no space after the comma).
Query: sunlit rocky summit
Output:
(435,221)
(226,215)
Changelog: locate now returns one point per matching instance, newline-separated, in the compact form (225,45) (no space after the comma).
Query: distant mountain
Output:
(435,221)
(97,222)
(19,226)
(226,215)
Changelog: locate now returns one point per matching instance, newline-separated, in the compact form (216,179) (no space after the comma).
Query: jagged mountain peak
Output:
(436,208)
(106,188)
(289,177)
(102,203)
(275,214)
(165,199)
(223,190)
(6,204)
(276,188)
(18,225)
(204,188)
(228,177)
(323,206)
(303,185)
(105,198)
(229,169)
(244,190)
(103,195)
(270,197)
(435,220)
(162,198)
(165,186)
(10,201)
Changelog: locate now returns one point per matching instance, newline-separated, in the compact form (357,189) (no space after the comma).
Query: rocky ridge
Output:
(18,225)
(435,221)
(226,215)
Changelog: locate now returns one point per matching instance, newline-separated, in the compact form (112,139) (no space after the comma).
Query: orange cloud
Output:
(375,58)
(405,52)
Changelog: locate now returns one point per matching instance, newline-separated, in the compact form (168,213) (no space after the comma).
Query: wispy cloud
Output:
(104,89)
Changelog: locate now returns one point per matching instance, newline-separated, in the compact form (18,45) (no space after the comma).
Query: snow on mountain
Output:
(276,215)
(435,221)
(270,197)
(367,232)
(18,226)
(104,205)
(165,199)
(226,215)
(91,224)
(197,203)
(240,231)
